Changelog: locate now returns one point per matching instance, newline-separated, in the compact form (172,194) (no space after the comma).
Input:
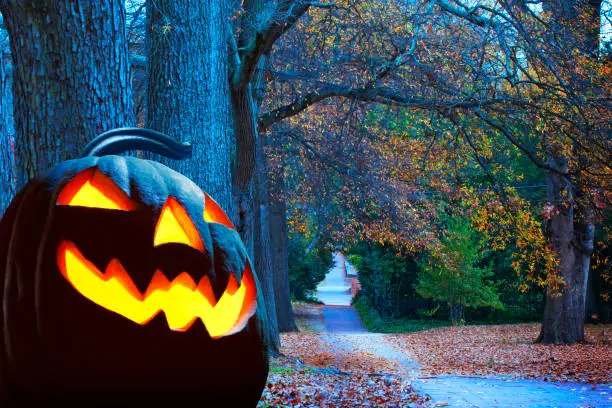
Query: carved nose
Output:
(175,226)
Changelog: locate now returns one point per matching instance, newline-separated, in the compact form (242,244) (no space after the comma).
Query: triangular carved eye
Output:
(214,213)
(91,188)
(175,226)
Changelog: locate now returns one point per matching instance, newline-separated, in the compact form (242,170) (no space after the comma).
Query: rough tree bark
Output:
(188,95)
(249,176)
(7,163)
(245,170)
(263,242)
(571,235)
(570,228)
(70,78)
(280,259)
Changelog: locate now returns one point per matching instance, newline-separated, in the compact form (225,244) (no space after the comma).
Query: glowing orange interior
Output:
(91,188)
(214,213)
(182,300)
(175,225)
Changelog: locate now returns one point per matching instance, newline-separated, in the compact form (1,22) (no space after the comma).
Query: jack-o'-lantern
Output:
(125,282)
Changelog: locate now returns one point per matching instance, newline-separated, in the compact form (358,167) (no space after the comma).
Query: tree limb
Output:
(508,135)
(288,12)
(384,96)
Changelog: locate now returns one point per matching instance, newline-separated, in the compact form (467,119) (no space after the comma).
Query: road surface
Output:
(334,289)
(344,330)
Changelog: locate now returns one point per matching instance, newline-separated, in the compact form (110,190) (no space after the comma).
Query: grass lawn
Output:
(376,324)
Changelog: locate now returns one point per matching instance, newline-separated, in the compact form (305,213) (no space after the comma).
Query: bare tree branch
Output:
(384,96)
(382,190)
(471,15)
(288,12)
(509,135)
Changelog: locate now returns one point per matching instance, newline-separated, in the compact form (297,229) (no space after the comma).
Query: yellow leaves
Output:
(166,28)
(514,224)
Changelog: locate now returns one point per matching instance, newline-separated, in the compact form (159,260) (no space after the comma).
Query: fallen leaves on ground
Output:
(303,387)
(316,371)
(326,351)
(510,350)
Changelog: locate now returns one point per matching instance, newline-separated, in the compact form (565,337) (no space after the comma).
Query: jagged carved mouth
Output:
(182,300)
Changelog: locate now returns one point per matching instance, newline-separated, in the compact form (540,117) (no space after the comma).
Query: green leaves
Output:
(454,272)
(308,264)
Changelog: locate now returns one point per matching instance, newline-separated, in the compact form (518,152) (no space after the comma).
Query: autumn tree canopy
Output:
(355,119)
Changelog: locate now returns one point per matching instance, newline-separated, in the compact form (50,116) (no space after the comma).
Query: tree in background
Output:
(307,268)
(188,96)
(387,278)
(279,243)
(552,54)
(599,295)
(454,271)
(310,258)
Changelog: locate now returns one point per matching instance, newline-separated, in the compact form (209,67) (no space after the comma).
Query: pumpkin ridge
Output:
(8,224)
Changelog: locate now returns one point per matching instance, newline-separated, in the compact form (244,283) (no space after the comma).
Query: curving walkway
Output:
(344,330)
(459,391)
(342,319)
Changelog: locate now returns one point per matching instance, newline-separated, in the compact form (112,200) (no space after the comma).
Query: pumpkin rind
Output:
(59,345)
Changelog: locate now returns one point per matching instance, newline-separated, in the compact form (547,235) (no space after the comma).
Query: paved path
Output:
(342,319)
(334,289)
(345,330)
(458,391)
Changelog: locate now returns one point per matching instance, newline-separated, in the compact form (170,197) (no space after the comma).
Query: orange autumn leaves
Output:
(510,350)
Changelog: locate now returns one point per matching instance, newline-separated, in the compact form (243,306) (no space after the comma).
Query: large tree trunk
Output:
(188,90)
(245,170)
(262,233)
(249,177)
(571,234)
(570,229)
(591,312)
(247,193)
(262,244)
(280,259)
(70,78)
(7,163)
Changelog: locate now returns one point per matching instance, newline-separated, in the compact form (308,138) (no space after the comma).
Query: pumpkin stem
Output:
(120,140)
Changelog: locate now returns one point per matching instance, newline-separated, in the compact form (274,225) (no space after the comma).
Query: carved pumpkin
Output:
(123,281)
